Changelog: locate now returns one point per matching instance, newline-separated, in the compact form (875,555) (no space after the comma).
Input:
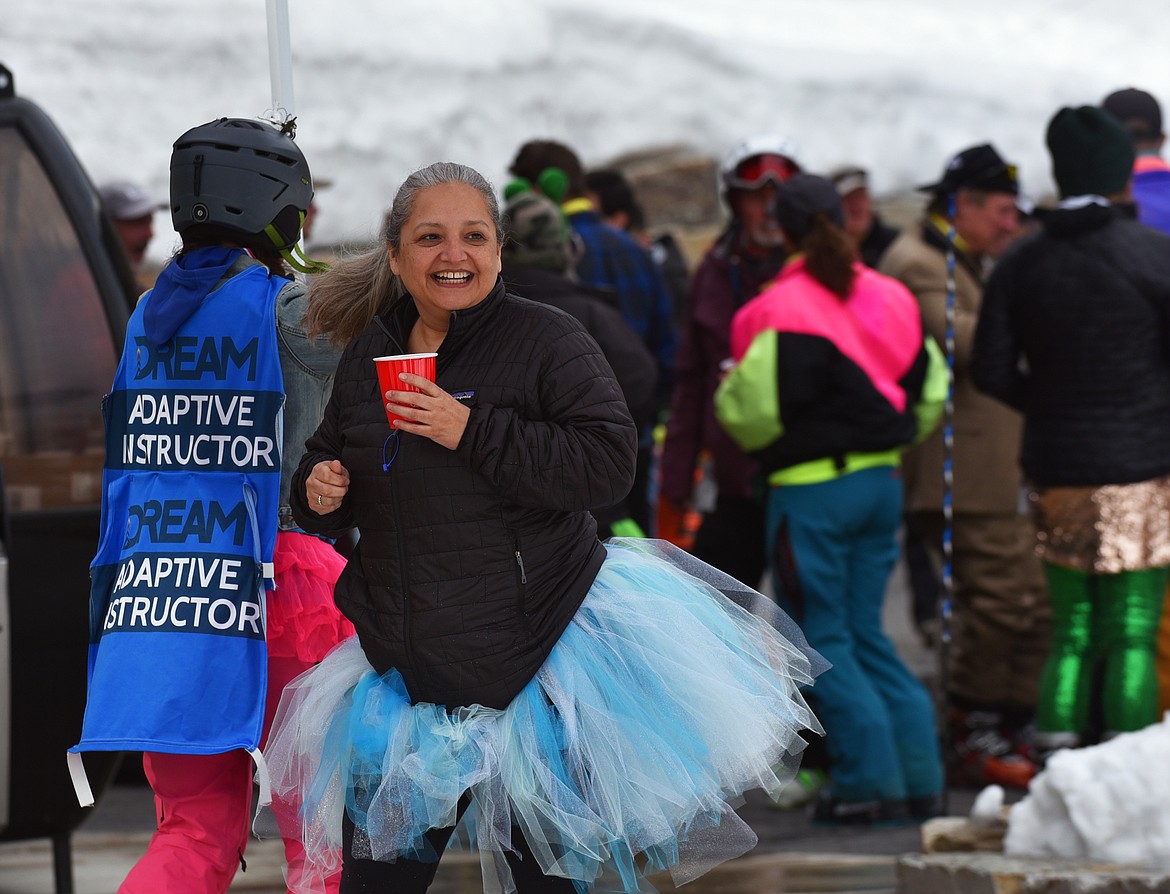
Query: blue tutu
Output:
(674,690)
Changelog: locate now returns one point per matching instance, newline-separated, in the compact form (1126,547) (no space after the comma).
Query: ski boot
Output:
(983,754)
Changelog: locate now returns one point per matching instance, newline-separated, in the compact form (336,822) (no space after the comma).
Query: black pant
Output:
(406,876)
(732,537)
(638,500)
(925,586)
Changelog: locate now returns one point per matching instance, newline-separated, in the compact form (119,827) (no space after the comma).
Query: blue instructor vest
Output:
(177,657)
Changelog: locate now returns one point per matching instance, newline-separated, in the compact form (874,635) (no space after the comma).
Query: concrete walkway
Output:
(793,855)
(101,861)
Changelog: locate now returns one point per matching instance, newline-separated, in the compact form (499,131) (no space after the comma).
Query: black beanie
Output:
(1092,154)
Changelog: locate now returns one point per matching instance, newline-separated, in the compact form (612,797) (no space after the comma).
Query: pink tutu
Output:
(303,621)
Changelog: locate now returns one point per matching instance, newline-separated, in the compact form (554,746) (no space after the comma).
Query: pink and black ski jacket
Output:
(819,377)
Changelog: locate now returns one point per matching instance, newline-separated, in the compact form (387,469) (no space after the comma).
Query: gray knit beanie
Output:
(536,233)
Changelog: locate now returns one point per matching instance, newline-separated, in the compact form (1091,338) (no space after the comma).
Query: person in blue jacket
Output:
(206,597)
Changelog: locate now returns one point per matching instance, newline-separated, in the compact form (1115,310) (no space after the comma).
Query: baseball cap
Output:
(847,178)
(800,198)
(124,200)
(1138,112)
(979,167)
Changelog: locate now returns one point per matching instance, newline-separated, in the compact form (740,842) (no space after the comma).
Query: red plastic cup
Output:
(389,368)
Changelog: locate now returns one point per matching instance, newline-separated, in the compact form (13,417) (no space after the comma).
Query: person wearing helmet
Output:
(748,253)
(205,598)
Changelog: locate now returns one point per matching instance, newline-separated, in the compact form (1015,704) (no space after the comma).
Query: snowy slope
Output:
(383,86)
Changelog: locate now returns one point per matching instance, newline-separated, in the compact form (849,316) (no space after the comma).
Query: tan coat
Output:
(986,432)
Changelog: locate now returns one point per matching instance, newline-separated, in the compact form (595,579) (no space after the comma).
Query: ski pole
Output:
(946,595)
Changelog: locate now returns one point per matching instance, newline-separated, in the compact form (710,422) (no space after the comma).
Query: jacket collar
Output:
(747,274)
(936,238)
(579,205)
(798,263)
(398,319)
(1149,161)
(1073,221)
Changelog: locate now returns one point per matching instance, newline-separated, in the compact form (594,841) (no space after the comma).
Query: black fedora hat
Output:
(979,167)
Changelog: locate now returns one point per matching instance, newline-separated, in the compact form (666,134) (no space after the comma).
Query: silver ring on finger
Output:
(319,499)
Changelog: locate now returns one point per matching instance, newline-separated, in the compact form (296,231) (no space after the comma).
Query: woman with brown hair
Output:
(832,380)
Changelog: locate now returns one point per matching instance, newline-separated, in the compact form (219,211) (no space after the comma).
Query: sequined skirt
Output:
(1104,530)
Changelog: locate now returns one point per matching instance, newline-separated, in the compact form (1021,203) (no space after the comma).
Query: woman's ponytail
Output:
(829,255)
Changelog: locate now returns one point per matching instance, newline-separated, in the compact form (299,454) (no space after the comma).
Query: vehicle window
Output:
(57,356)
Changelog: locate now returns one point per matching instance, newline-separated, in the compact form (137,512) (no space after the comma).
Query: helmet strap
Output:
(297,260)
(293,255)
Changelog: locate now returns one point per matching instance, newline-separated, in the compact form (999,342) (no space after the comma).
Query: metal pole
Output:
(63,863)
(280,61)
(946,600)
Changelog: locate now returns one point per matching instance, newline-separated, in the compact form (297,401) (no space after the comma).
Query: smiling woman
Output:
(447,262)
(446,259)
(509,666)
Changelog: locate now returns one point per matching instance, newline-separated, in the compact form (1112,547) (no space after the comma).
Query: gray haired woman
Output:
(582,707)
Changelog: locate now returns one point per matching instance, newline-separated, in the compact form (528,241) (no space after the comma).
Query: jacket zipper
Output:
(406,619)
(407,639)
(521,607)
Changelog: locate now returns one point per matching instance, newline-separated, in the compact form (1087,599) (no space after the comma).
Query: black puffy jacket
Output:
(472,561)
(1074,332)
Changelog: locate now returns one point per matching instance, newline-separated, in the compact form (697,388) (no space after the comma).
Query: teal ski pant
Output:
(834,545)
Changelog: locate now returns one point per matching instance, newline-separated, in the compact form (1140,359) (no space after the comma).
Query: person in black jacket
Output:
(537,256)
(589,708)
(1073,333)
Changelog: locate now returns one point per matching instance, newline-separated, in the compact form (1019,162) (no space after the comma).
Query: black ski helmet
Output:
(243,174)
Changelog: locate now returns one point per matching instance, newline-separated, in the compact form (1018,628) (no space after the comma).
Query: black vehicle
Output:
(63,313)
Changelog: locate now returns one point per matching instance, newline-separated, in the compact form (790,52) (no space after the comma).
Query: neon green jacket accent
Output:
(824,386)
(747,401)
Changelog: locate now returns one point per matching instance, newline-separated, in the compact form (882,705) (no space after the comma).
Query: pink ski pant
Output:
(203,805)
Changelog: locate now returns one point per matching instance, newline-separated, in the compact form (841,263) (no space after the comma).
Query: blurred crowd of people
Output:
(984,395)
(1046,573)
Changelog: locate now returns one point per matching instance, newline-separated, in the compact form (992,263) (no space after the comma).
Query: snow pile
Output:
(384,86)
(1108,802)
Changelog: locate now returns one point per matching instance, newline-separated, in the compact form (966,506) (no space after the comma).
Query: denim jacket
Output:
(308,366)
